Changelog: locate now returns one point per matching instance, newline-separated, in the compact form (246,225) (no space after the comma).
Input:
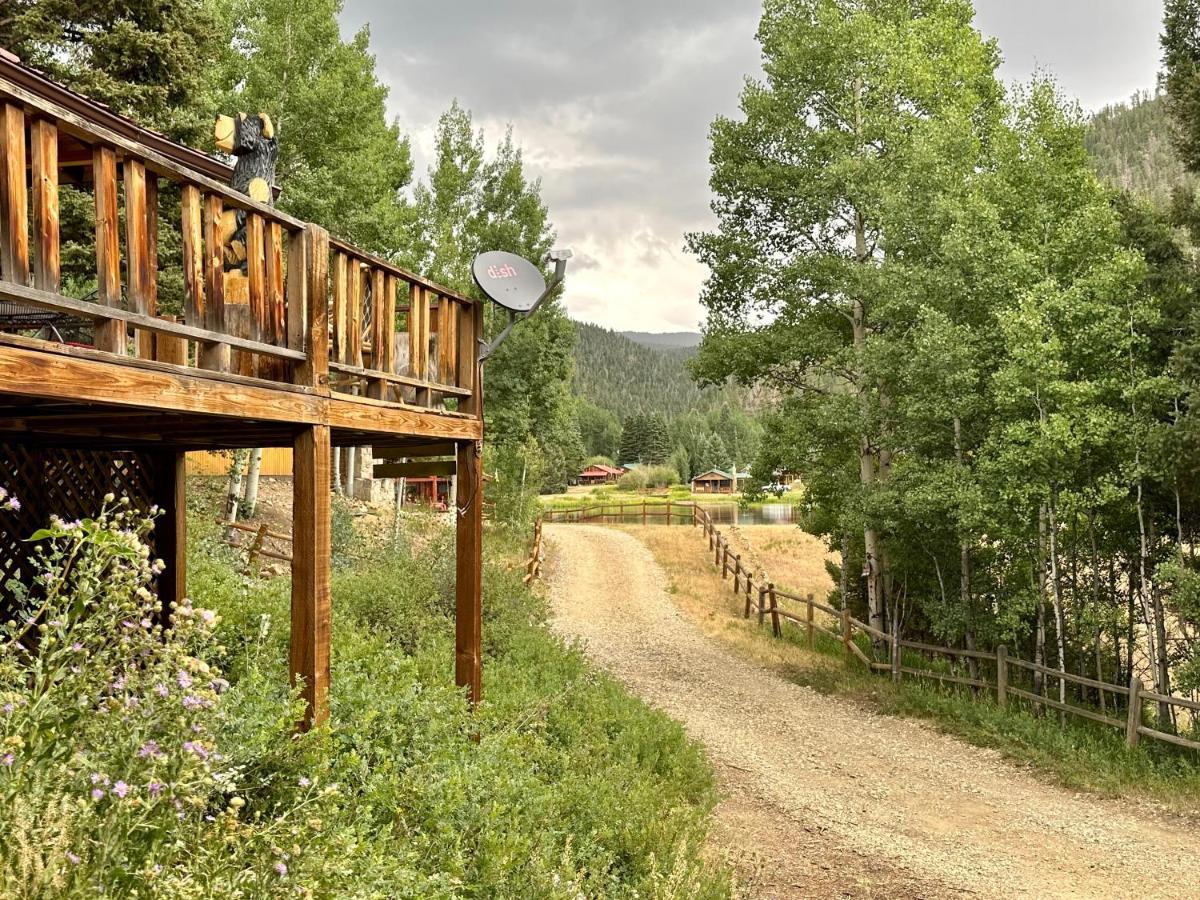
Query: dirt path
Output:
(841,802)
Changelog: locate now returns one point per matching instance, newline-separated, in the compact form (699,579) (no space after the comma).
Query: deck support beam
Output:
(309,654)
(468,669)
(170,528)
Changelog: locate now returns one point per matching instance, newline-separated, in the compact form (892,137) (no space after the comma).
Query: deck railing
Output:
(309,311)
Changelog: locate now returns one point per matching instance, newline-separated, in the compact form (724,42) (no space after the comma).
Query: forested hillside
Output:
(1130,146)
(630,386)
(664,339)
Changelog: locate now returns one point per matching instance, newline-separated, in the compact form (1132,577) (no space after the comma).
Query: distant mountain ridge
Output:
(1131,149)
(672,339)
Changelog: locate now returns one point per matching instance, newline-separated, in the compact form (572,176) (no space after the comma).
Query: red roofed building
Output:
(600,474)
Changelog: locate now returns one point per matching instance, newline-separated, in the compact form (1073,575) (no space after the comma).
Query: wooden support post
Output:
(846,630)
(14,195)
(1134,718)
(43,141)
(110,335)
(737,571)
(776,625)
(724,560)
(170,528)
(137,252)
(762,604)
(309,656)
(643,510)
(746,615)
(812,637)
(308,314)
(1002,675)
(469,571)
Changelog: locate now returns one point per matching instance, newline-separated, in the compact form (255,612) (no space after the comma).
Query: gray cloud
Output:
(612,102)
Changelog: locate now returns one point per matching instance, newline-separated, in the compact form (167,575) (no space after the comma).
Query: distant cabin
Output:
(714,481)
(601,474)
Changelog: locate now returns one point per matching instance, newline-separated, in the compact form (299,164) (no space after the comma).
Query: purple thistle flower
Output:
(77,646)
(184,679)
(8,708)
(154,788)
(7,759)
(97,794)
(14,503)
(98,777)
(129,623)
(197,748)
(150,750)
(121,789)
(281,868)
(162,690)
(191,701)
(72,858)
(305,781)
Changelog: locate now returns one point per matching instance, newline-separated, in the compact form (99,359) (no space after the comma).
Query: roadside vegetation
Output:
(1079,755)
(138,766)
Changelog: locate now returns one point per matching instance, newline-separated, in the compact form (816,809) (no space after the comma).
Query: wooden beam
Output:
(310,626)
(43,138)
(14,197)
(375,417)
(150,385)
(443,469)
(310,306)
(88,310)
(405,450)
(110,334)
(170,528)
(468,579)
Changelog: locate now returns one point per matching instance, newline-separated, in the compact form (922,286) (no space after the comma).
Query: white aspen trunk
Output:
(233,488)
(1039,644)
(250,496)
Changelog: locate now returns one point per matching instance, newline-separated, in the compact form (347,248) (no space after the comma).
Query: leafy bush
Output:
(133,767)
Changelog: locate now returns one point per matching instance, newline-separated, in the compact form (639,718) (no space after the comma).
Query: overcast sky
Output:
(612,99)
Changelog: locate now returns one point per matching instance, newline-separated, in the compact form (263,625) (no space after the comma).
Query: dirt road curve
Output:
(840,802)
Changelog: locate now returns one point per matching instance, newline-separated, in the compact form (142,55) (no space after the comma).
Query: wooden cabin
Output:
(599,475)
(332,348)
(715,481)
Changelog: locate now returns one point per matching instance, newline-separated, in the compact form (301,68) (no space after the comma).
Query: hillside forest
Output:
(986,367)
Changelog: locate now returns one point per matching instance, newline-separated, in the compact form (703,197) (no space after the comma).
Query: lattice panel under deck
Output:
(65,482)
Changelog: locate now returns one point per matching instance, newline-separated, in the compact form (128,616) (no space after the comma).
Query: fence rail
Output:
(763,597)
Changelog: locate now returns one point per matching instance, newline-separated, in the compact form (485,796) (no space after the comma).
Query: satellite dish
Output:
(509,280)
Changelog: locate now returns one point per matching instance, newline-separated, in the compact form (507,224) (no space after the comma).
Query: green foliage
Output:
(1132,148)
(341,162)
(129,763)
(982,356)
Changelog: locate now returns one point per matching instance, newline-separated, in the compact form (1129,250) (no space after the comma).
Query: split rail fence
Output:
(1009,677)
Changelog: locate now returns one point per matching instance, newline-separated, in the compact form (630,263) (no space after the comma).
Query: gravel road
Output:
(836,800)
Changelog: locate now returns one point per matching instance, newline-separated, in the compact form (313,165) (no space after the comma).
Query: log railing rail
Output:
(256,325)
(859,641)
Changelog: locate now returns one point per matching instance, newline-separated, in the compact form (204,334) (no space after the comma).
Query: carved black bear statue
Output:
(252,140)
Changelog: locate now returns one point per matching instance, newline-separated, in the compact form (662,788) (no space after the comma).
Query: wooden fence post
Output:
(812,636)
(717,550)
(776,627)
(748,600)
(1002,675)
(846,630)
(1134,719)
(643,510)
(668,510)
(724,560)
(762,604)
(737,571)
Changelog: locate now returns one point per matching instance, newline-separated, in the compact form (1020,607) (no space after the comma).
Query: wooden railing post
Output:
(1002,675)
(1134,718)
(14,196)
(776,625)
(643,510)
(109,335)
(43,143)
(308,298)
(809,623)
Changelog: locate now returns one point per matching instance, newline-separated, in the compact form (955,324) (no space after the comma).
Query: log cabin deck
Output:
(314,344)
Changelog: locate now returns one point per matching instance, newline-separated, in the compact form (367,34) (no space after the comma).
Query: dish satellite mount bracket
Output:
(517,285)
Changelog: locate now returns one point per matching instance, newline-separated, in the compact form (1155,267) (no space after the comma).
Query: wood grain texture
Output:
(387,354)
(341,307)
(14,197)
(468,580)
(43,140)
(314,371)
(137,251)
(380,335)
(110,335)
(214,356)
(355,276)
(310,626)
(170,528)
(193,256)
(154,386)
(415,469)
(359,414)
